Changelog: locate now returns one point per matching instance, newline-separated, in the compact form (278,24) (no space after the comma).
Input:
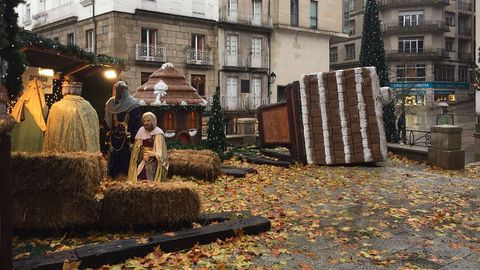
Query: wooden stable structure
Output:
(177,105)
(329,118)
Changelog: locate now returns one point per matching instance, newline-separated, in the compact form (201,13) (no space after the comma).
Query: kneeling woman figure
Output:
(149,159)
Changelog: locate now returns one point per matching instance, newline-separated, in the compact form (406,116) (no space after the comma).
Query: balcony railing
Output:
(465,32)
(425,54)
(245,60)
(465,56)
(406,3)
(67,10)
(242,103)
(199,57)
(153,53)
(465,6)
(425,26)
(244,18)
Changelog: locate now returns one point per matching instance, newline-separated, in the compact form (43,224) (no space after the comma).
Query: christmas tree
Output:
(216,139)
(372,53)
(10,53)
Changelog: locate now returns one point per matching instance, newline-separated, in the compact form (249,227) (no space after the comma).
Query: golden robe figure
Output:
(30,113)
(72,124)
(149,160)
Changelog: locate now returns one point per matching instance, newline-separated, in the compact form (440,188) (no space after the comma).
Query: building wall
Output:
(60,9)
(476,51)
(433,41)
(297,54)
(119,33)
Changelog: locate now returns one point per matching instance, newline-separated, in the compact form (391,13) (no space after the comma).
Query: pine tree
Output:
(372,53)
(10,52)
(216,139)
(3,33)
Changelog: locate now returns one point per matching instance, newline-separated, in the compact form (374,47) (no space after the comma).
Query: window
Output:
(169,121)
(449,44)
(410,45)
(411,73)
(192,120)
(351,27)
(71,39)
(350,51)
(313,14)
(232,9)
(149,36)
(450,18)
(333,55)
(198,42)
(256,52)
(256,12)
(198,8)
(89,40)
(411,18)
(444,73)
(351,5)
(27,16)
(245,86)
(232,93)
(281,93)
(232,50)
(144,76)
(294,12)
(463,74)
(198,82)
(346,16)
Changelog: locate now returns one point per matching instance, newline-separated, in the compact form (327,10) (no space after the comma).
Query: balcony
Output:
(465,33)
(409,3)
(150,53)
(242,61)
(244,18)
(425,26)
(246,102)
(67,10)
(465,7)
(423,54)
(465,56)
(199,57)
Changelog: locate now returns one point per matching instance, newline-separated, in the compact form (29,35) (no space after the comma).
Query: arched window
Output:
(169,121)
(192,120)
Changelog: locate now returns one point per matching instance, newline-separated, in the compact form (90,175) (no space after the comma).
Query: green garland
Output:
(30,39)
(175,108)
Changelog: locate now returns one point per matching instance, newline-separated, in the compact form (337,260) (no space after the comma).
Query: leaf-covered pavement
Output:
(399,215)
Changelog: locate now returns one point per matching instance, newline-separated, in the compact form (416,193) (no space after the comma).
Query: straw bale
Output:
(53,190)
(146,203)
(203,164)
(57,173)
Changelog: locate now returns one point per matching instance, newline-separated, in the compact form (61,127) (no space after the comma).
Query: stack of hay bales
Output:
(149,203)
(203,164)
(55,190)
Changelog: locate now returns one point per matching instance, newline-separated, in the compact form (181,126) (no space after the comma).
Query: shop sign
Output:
(31,73)
(442,85)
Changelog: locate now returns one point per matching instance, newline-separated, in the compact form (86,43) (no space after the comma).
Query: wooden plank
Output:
(207,218)
(94,256)
(234,172)
(247,170)
(6,202)
(276,154)
(264,161)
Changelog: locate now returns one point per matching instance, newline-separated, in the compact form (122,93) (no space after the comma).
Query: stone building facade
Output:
(429,46)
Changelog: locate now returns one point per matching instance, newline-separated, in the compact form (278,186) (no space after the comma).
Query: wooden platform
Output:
(114,252)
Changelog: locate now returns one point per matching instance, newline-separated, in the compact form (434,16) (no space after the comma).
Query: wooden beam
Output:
(94,256)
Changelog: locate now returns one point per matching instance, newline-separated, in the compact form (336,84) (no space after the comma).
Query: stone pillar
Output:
(246,128)
(476,137)
(446,150)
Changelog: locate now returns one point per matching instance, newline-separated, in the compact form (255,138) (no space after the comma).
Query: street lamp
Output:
(272,77)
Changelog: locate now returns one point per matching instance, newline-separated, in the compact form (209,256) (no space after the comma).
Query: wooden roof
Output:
(167,86)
